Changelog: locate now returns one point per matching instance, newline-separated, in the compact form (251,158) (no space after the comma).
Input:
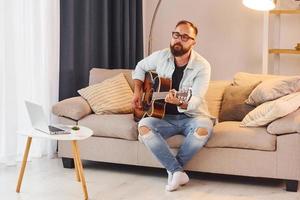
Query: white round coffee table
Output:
(74,136)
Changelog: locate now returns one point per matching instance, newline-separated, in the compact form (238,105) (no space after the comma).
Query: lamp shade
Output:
(259,4)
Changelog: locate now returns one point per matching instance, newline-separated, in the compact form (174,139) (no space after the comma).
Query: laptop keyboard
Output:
(55,130)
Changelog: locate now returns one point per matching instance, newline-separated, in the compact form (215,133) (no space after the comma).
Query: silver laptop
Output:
(39,121)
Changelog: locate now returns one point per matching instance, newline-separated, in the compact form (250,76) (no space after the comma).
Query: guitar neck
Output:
(162,95)
(159,95)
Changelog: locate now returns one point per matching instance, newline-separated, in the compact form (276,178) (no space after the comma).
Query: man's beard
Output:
(178,50)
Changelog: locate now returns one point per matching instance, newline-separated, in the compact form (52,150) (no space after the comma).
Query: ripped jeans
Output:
(170,125)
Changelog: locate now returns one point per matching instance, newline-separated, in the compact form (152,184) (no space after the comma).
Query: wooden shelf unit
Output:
(279,12)
(284,51)
(275,52)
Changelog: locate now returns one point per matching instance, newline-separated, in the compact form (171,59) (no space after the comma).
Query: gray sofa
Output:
(231,150)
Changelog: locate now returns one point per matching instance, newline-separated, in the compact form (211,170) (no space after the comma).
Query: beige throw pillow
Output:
(269,111)
(110,96)
(214,96)
(287,124)
(74,108)
(272,89)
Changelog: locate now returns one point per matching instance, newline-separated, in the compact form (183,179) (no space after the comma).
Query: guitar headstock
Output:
(184,94)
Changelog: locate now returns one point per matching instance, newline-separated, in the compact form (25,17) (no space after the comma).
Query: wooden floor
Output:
(46,179)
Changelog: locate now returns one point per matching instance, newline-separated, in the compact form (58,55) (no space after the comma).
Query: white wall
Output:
(230,35)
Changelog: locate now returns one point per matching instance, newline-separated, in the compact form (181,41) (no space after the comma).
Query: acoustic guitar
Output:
(155,89)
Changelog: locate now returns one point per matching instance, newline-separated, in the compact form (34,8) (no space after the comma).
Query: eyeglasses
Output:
(183,37)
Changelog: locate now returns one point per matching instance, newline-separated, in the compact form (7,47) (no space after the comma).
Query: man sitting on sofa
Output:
(187,69)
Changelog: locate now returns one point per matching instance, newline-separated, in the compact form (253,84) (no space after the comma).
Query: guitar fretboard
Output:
(159,95)
(162,95)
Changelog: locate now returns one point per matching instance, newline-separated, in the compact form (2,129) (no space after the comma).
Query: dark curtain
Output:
(97,33)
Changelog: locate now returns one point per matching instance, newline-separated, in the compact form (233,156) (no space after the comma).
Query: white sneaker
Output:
(179,178)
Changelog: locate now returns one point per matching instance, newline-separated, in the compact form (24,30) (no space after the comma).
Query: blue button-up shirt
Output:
(196,76)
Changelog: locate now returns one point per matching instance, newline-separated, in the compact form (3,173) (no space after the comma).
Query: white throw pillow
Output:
(269,111)
(272,89)
(287,124)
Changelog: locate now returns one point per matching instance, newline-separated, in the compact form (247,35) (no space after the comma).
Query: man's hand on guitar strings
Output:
(171,97)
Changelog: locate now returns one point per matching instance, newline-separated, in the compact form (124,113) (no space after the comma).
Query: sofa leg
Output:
(68,162)
(291,185)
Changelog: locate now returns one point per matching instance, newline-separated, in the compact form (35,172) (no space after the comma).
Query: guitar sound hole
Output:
(155,84)
(160,103)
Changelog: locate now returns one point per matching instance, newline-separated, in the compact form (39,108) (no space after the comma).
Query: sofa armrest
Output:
(74,108)
(288,156)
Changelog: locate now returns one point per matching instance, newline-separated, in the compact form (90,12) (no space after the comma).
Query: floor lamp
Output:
(151,28)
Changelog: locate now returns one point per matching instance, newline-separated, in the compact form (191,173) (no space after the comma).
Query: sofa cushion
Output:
(73,108)
(230,134)
(114,126)
(97,75)
(214,96)
(271,110)
(113,95)
(288,124)
(272,89)
(233,107)
(242,78)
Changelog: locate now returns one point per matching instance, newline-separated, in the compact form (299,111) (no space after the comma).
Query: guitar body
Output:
(153,107)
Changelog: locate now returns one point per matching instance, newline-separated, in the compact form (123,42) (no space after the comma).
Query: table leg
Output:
(80,169)
(25,156)
(75,162)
